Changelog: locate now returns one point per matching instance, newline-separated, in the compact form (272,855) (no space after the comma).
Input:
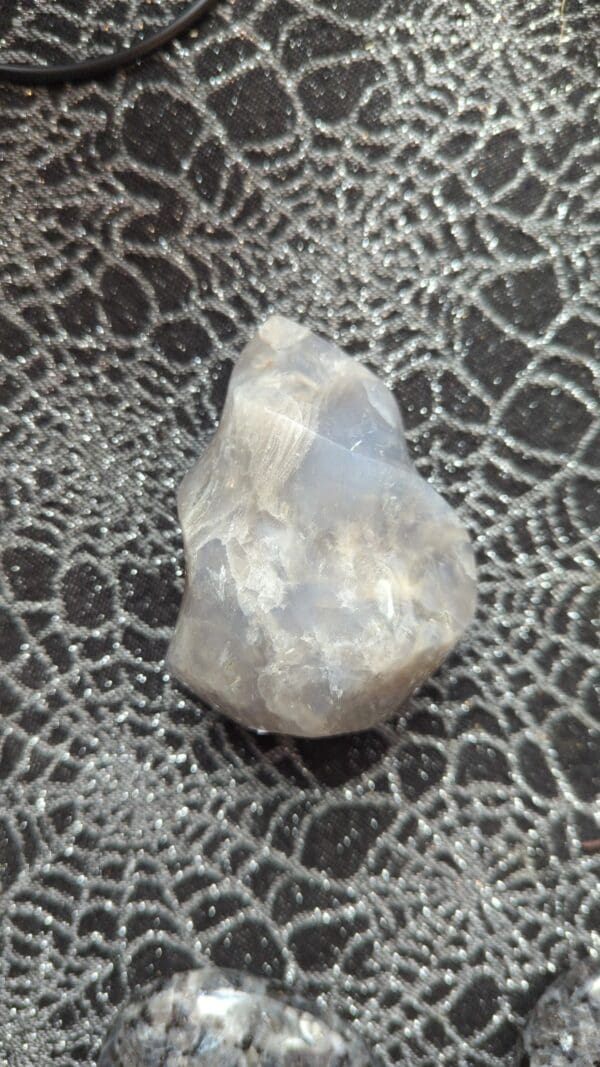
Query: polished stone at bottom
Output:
(564,1028)
(215,1018)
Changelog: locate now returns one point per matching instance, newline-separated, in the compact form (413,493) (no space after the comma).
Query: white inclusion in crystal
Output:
(564,1027)
(325,578)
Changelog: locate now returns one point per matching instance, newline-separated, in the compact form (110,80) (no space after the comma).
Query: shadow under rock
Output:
(413,735)
(338,760)
(330,761)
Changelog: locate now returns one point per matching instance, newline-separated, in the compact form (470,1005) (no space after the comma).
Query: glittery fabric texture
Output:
(418,181)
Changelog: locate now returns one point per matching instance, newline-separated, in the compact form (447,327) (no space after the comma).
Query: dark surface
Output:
(419,182)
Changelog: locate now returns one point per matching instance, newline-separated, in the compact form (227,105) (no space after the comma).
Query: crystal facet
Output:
(325,578)
(214,1018)
(564,1028)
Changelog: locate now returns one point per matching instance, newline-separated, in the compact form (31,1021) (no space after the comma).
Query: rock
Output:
(564,1027)
(325,578)
(214,1018)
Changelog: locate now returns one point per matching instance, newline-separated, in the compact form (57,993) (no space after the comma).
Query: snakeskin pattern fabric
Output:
(418,181)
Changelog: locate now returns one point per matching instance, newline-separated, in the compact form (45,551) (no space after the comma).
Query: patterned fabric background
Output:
(419,181)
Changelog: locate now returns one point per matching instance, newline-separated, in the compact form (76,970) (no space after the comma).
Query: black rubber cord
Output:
(86,69)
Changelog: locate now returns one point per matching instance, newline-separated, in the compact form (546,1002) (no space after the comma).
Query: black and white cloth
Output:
(419,181)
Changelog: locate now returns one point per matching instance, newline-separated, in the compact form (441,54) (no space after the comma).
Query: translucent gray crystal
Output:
(564,1028)
(214,1018)
(325,578)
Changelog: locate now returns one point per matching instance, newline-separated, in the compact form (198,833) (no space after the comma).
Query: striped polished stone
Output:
(215,1018)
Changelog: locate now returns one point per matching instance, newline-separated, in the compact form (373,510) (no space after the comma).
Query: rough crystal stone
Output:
(214,1018)
(325,578)
(564,1028)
